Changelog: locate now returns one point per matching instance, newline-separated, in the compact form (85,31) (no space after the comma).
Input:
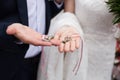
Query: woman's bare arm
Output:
(69,6)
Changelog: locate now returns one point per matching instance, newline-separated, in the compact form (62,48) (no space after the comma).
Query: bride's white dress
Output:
(98,33)
(98,47)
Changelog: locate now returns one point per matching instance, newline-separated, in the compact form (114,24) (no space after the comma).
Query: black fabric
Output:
(48,16)
(32,66)
(22,9)
(28,70)
(11,62)
(7,7)
(54,9)
(13,66)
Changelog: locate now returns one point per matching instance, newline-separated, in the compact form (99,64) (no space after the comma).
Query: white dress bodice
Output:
(98,30)
(94,16)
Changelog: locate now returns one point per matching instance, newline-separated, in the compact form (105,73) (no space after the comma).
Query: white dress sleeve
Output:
(59,66)
(63,19)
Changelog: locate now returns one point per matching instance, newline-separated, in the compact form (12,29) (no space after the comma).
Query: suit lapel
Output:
(22,8)
(48,16)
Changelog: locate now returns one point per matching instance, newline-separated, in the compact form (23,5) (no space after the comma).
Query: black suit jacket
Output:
(12,54)
(54,9)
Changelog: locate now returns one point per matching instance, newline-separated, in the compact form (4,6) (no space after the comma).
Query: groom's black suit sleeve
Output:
(13,65)
(9,14)
(15,11)
(11,54)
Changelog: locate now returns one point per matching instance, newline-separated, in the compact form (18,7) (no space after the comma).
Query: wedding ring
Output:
(47,38)
(66,39)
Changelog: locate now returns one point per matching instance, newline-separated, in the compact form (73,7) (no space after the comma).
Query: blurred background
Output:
(116,68)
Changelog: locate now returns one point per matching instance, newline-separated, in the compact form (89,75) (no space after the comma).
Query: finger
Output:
(10,31)
(57,36)
(72,46)
(41,43)
(75,35)
(45,43)
(67,47)
(55,42)
(48,38)
(61,47)
(77,43)
(62,37)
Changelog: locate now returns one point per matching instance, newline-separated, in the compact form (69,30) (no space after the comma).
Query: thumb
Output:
(10,30)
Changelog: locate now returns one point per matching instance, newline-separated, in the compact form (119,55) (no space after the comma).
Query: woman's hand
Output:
(28,35)
(69,37)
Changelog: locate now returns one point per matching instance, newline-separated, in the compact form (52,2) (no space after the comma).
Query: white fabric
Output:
(58,5)
(53,63)
(36,17)
(98,35)
(99,44)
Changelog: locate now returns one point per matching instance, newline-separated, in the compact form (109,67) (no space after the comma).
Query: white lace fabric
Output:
(99,43)
(97,25)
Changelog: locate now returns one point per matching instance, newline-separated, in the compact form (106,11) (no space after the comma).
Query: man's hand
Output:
(28,35)
(69,37)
